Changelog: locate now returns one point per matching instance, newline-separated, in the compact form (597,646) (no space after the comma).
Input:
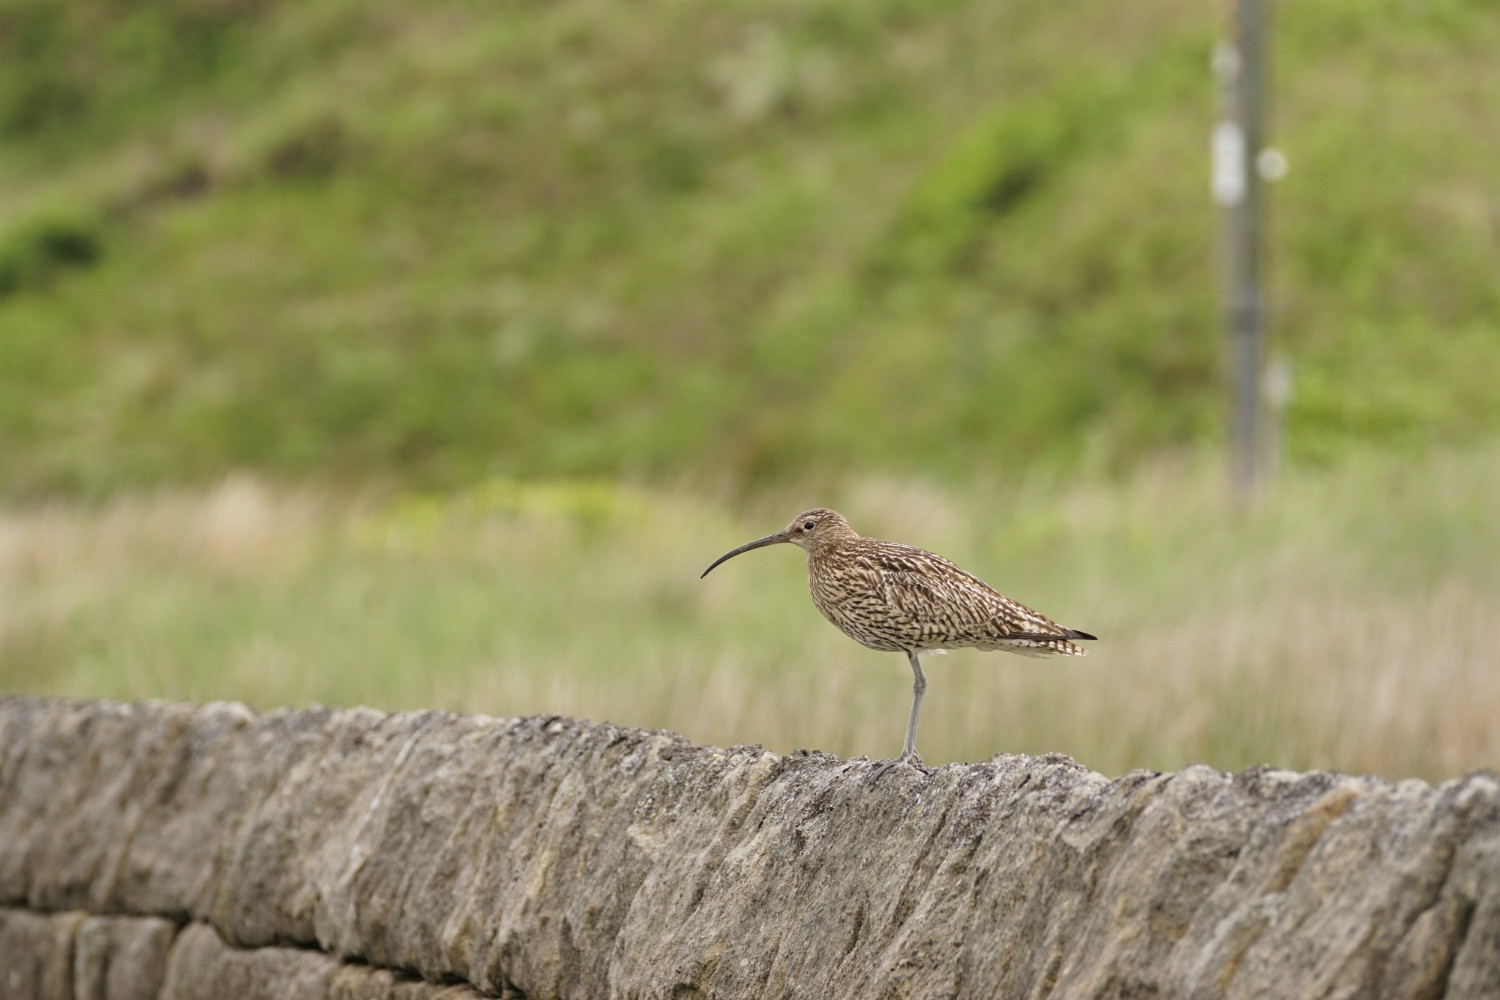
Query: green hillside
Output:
(734,241)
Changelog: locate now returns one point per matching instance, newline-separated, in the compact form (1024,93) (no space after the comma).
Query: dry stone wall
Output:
(174,851)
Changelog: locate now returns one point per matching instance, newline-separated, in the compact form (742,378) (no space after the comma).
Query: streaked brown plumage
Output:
(900,598)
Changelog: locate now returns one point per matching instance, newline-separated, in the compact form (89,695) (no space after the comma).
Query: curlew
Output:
(902,599)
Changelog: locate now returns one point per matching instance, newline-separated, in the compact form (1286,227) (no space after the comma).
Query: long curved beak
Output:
(780,536)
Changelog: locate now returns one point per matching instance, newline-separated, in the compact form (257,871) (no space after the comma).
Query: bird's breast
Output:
(856,609)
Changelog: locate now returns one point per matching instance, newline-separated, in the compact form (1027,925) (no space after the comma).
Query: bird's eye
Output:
(807,526)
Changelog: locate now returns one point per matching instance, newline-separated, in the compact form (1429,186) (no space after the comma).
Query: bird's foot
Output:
(895,763)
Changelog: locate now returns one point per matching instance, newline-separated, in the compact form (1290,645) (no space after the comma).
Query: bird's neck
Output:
(822,547)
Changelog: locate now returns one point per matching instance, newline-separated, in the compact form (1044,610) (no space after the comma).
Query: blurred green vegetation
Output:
(1349,622)
(742,242)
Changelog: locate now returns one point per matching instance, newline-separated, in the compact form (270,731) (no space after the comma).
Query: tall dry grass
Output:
(1350,622)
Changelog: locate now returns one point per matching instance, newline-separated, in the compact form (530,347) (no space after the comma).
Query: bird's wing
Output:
(927,588)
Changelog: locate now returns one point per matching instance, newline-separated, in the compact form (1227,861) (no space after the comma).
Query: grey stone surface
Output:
(121,958)
(73,956)
(573,860)
(203,967)
(36,954)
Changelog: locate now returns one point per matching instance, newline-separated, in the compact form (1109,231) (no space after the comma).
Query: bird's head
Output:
(810,530)
(814,528)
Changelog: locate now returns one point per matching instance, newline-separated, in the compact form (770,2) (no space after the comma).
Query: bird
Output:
(901,599)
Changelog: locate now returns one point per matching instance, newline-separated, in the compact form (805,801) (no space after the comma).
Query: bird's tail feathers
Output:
(1042,644)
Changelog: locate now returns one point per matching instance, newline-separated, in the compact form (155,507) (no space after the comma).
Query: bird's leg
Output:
(918,685)
(909,748)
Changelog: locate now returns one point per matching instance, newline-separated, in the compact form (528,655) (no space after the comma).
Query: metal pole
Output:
(1237,143)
